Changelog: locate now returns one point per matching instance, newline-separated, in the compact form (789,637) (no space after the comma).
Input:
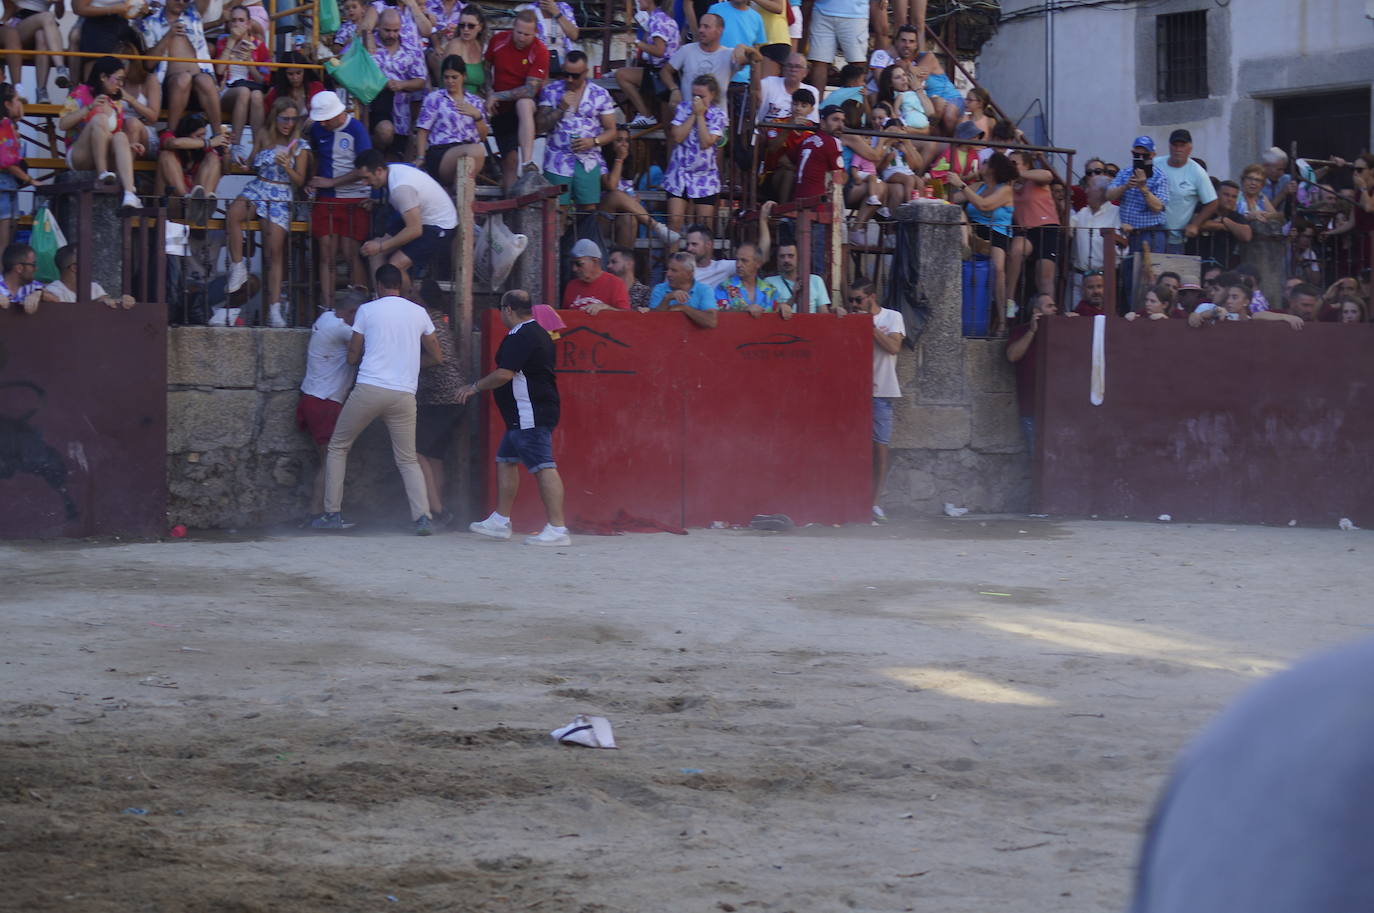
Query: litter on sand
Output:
(1165,518)
(591,731)
(1346,525)
(952,511)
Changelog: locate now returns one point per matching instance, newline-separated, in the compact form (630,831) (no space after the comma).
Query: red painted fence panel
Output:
(687,426)
(1238,423)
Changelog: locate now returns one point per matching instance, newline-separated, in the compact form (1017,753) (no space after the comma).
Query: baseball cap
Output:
(829,110)
(325,105)
(1144,142)
(586,247)
(1180,136)
(1190,287)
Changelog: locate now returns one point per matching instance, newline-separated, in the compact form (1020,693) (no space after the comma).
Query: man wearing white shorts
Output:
(836,25)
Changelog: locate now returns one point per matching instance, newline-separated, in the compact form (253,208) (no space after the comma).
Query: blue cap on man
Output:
(1144,142)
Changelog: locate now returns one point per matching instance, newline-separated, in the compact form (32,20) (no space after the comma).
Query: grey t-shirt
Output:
(1271,809)
(690,61)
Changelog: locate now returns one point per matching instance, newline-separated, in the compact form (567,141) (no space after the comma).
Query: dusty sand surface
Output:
(946,716)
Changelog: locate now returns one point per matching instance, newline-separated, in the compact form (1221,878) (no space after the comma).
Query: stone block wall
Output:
(235,458)
(956,433)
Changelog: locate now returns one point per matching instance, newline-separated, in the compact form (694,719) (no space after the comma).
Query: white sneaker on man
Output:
(219,317)
(491,527)
(642,122)
(276,316)
(130,201)
(238,275)
(878,514)
(550,535)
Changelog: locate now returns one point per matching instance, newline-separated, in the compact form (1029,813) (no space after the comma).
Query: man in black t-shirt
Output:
(526,392)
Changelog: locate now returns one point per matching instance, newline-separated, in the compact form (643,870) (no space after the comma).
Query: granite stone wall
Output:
(956,434)
(235,458)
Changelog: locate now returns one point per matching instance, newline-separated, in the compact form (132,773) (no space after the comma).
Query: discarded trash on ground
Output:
(773,523)
(1165,518)
(1346,525)
(952,511)
(591,731)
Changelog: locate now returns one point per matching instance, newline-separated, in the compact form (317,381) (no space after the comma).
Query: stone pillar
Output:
(940,355)
(529,221)
(105,247)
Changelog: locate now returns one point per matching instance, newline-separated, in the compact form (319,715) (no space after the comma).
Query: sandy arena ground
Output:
(956,715)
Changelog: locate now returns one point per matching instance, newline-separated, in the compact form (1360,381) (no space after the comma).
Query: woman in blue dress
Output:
(281,159)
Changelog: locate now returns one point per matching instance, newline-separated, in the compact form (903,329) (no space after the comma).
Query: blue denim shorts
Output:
(9,199)
(882,421)
(531,446)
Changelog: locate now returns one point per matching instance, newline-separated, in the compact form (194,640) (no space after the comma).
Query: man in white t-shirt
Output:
(328,376)
(422,215)
(64,289)
(774,101)
(888,332)
(389,336)
(702,246)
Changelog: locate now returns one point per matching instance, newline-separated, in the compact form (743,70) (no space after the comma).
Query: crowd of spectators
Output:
(736,100)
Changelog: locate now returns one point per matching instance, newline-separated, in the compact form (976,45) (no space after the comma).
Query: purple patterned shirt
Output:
(410,32)
(439,115)
(692,170)
(661,25)
(407,62)
(584,122)
(445,24)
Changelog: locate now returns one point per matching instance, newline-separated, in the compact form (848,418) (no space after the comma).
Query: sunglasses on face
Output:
(1092,171)
(855,299)
(572,75)
(467,25)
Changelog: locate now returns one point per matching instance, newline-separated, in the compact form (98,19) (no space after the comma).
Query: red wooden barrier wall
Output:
(687,426)
(1238,423)
(83,422)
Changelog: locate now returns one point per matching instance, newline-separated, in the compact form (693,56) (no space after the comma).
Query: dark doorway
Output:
(1331,123)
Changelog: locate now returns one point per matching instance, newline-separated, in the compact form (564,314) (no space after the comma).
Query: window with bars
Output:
(1181,51)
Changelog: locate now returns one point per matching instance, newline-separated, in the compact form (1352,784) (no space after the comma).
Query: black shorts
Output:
(778,53)
(652,83)
(996,238)
(101,34)
(700,201)
(249,84)
(1044,241)
(434,157)
(505,126)
(434,426)
(426,249)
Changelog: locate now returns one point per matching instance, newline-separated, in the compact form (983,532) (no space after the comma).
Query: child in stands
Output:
(12,173)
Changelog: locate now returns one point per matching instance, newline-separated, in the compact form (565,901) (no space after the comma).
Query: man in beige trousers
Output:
(392,337)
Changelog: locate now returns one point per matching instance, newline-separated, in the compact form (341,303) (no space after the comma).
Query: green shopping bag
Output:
(329,17)
(357,72)
(46,238)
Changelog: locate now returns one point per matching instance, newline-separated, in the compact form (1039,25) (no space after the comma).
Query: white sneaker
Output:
(107,177)
(63,78)
(878,514)
(549,536)
(238,275)
(884,212)
(668,236)
(232,315)
(131,201)
(219,317)
(873,201)
(275,316)
(491,529)
(642,121)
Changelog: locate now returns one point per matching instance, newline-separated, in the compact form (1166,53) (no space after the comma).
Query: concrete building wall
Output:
(1103,93)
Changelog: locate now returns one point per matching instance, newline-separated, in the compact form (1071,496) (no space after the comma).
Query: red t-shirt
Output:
(815,157)
(512,66)
(605,288)
(236,71)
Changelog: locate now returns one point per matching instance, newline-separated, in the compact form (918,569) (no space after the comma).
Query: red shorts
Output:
(341,217)
(316,417)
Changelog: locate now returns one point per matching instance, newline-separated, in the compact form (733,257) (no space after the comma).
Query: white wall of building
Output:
(1102,92)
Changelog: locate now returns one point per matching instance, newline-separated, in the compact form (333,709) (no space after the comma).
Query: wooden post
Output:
(463,477)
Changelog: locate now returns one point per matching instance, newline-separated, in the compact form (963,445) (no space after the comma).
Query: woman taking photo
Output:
(693,175)
(94,122)
(989,205)
(280,160)
(452,125)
